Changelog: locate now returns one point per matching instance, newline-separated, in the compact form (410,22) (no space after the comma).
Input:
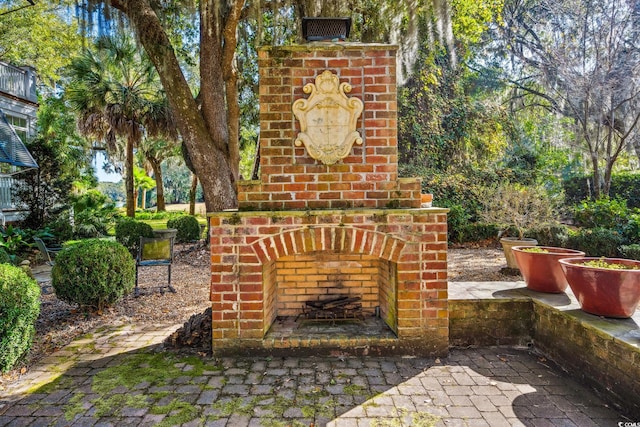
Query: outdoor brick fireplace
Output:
(329,219)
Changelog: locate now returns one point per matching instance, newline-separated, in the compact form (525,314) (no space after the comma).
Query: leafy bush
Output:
(19,309)
(94,214)
(625,186)
(595,242)
(577,189)
(475,232)
(129,231)
(631,230)
(13,240)
(630,251)
(4,257)
(187,226)
(602,213)
(93,273)
(457,219)
(555,235)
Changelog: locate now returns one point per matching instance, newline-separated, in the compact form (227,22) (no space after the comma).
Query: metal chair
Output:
(49,254)
(154,252)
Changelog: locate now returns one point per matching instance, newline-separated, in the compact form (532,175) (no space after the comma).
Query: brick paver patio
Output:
(473,387)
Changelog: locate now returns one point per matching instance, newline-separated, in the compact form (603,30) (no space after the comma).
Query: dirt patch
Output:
(479,265)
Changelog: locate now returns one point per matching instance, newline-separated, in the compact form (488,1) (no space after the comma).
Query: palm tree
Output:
(117,95)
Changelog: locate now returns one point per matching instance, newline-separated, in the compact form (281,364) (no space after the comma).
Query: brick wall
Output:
(306,229)
(409,247)
(289,177)
(315,276)
(591,355)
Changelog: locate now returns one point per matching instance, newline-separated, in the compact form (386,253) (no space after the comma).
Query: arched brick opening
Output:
(322,262)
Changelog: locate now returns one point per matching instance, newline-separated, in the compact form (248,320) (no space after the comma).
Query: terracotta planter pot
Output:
(541,270)
(509,242)
(601,291)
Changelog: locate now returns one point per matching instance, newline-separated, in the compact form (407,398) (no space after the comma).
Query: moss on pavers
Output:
(142,388)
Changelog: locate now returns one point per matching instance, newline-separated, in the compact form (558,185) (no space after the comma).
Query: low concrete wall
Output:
(601,361)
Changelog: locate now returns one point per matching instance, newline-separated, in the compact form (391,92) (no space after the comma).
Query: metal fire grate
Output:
(317,29)
(334,308)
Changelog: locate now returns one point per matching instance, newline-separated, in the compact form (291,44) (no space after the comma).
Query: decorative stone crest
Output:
(328,119)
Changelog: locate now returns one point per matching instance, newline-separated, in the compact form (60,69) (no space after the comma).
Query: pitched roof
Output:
(12,149)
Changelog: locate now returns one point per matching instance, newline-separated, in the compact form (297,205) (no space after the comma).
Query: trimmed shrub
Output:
(630,251)
(595,242)
(476,232)
(576,189)
(19,309)
(4,257)
(93,273)
(149,215)
(187,226)
(555,235)
(129,231)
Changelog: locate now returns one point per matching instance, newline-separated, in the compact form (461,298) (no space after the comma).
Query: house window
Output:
(19,124)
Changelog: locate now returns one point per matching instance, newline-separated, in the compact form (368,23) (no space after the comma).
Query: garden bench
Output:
(155,252)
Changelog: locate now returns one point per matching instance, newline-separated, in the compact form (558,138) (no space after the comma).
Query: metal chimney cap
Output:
(324,28)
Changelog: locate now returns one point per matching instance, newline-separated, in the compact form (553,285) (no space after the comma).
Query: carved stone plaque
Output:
(328,119)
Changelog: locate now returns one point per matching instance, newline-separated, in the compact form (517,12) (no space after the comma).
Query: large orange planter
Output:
(602,291)
(541,270)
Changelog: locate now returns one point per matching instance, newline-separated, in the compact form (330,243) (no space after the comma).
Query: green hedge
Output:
(624,186)
(129,231)
(187,226)
(630,251)
(555,235)
(19,309)
(602,213)
(600,242)
(93,273)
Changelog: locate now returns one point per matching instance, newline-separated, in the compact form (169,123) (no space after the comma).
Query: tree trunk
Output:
(230,74)
(596,176)
(636,147)
(129,185)
(204,132)
(192,194)
(157,175)
(444,28)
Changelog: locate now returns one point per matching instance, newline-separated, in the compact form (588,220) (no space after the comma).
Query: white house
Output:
(18,107)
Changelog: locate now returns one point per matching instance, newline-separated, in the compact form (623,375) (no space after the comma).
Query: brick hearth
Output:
(308,230)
